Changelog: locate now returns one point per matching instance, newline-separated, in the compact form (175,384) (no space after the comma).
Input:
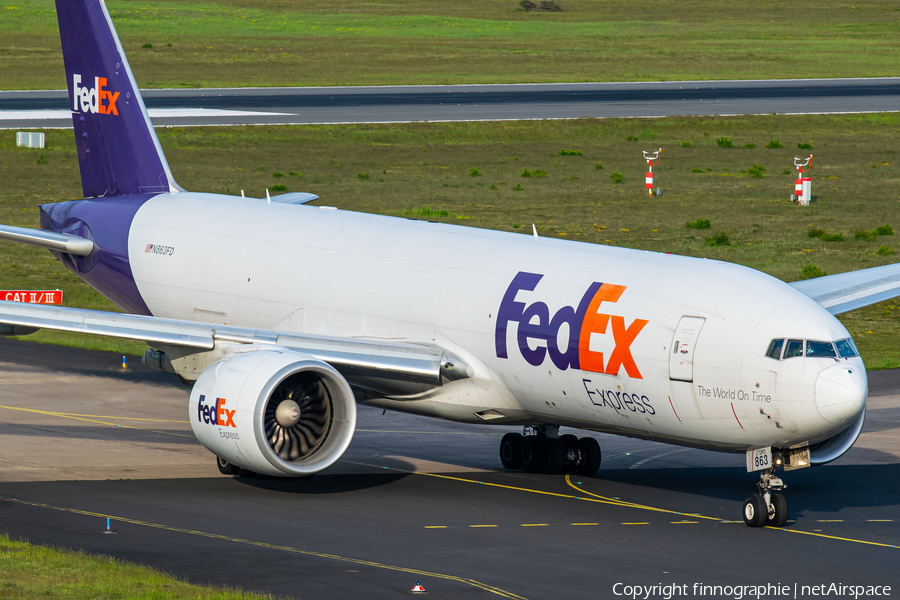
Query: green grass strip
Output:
(30,572)
(351,42)
(471,174)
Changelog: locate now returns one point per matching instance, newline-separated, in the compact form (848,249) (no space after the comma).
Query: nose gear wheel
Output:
(300,440)
(767,507)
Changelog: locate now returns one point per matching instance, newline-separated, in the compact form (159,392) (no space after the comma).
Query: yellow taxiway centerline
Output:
(87,419)
(420,573)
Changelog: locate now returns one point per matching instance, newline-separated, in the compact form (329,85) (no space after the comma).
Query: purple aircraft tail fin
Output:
(118,151)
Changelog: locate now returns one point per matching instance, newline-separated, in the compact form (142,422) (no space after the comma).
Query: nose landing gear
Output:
(542,450)
(766,507)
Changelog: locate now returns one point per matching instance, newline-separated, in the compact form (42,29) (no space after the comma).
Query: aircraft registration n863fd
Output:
(283,316)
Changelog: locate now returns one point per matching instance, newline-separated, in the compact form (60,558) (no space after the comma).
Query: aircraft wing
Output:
(847,291)
(356,359)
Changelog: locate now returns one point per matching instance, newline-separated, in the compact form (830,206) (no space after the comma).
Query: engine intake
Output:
(298,416)
(274,411)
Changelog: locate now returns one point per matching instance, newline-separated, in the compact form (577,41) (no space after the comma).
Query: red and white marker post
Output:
(650,157)
(803,185)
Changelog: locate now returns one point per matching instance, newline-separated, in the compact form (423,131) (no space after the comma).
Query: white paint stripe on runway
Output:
(9,115)
(58,115)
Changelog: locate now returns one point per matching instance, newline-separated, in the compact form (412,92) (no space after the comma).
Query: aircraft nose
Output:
(841,392)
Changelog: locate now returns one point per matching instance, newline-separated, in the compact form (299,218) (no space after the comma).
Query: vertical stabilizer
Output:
(118,151)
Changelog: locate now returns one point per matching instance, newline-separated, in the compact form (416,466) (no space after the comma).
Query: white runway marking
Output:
(9,115)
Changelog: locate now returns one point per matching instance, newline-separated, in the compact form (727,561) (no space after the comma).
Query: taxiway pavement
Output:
(386,104)
(416,499)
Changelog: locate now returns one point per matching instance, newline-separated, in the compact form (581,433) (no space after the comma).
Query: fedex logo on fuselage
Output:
(95,99)
(215,413)
(537,334)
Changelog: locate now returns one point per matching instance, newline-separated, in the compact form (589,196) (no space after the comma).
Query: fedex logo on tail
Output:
(538,333)
(95,99)
(215,413)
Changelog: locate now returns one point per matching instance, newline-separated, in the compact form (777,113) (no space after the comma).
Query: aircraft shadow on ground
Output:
(818,490)
(213,485)
(322,483)
(829,488)
(329,483)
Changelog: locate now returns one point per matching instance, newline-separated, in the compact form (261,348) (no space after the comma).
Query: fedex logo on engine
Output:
(538,335)
(95,99)
(215,414)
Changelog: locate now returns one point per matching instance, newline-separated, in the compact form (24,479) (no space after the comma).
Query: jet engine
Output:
(273,411)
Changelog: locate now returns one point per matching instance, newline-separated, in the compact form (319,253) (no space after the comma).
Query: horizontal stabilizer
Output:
(848,291)
(295,198)
(61,242)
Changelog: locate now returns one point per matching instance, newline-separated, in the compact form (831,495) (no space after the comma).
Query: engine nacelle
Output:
(274,411)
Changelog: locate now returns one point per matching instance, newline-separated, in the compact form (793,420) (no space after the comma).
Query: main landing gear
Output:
(767,508)
(542,450)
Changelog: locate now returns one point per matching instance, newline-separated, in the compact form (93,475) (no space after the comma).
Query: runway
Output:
(317,105)
(416,499)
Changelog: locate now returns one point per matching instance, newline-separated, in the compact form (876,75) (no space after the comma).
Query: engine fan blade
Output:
(309,432)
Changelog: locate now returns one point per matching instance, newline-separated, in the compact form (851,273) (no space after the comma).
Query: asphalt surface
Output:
(416,499)
(233,106)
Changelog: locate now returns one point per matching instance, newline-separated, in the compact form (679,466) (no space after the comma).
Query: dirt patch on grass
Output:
(529,6)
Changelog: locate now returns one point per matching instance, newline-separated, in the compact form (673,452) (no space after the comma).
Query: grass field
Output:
(29,572)
(351,42)
(426,170)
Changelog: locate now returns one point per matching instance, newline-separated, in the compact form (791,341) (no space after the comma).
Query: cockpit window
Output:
(844,348)
(774,350)
(794,348)
(820,349)
(813,349)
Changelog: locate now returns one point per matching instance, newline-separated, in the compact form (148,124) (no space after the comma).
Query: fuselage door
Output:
(681,357)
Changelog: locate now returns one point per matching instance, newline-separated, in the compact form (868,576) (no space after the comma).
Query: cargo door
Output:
(684,343)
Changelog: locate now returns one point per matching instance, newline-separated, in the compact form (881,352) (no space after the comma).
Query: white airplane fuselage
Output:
(638,343)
